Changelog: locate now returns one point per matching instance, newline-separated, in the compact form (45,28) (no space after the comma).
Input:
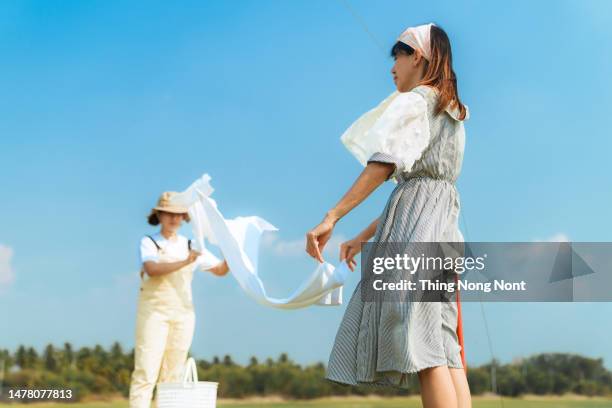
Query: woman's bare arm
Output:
(160,269)
(350,248)
(368,232)
(164,268)
(372,176)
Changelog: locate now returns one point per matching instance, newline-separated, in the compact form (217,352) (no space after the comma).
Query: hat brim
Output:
(172,209)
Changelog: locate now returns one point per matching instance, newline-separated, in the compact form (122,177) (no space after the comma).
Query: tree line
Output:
(98,371)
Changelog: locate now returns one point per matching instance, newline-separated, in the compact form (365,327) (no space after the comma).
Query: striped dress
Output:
(382,343)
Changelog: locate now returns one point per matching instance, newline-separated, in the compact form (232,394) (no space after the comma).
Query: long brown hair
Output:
(439,71)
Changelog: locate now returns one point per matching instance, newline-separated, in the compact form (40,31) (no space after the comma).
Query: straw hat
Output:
(165,204)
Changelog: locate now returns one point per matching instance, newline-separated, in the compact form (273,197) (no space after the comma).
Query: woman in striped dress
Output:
(416,138)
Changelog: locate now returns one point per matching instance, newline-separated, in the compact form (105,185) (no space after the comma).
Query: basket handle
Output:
(190,368)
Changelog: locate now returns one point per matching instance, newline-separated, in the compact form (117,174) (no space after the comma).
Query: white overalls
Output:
(164,330)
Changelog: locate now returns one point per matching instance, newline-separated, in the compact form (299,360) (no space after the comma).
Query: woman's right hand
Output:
(317,237)
(348,251)
(193,255)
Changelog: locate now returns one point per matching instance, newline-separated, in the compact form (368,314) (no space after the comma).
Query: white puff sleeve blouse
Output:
(396,131)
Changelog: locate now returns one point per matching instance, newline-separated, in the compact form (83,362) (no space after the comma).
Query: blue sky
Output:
(106,104)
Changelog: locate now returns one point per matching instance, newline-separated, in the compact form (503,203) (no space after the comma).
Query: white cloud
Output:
(7,274)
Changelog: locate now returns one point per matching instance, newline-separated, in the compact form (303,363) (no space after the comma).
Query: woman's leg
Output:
(437,388)
(462,388)
(151,333)
(177,347)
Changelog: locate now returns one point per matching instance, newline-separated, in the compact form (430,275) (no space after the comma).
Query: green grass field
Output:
(414,402)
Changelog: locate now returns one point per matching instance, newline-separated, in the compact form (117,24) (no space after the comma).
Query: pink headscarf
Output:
(418,38)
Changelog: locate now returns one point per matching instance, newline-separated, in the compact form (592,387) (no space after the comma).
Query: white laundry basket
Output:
(191,393)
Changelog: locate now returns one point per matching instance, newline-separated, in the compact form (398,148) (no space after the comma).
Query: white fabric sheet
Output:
(239,240)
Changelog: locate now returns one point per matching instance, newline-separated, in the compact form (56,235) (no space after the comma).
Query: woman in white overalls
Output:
(165,320)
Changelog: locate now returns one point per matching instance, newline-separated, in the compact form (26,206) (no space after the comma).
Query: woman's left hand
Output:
(220,269)
(317,237)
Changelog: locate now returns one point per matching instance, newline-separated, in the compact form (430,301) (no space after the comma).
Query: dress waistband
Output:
(404,179)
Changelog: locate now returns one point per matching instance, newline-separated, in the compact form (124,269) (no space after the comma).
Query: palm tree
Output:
(20,357)
(68,356)
(50,359)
